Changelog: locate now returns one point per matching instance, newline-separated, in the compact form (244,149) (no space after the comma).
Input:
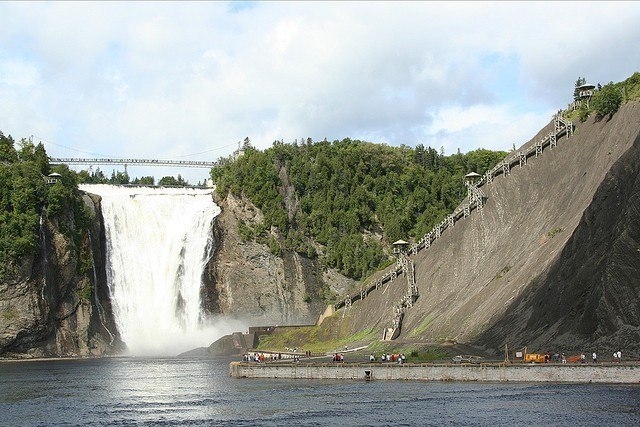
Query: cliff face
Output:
(590,293)
(252,284)
(551,262)
(52,310)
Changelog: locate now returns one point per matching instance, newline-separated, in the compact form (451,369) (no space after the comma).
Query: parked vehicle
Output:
(466,358)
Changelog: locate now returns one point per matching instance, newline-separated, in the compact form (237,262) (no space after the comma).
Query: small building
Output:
(584,91)
(582,95)
(471,178)
(53,178)
(400,246)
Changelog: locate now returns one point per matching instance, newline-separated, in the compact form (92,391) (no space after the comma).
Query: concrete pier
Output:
(498,372)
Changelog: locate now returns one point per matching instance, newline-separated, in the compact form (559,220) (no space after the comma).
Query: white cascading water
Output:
(158,243)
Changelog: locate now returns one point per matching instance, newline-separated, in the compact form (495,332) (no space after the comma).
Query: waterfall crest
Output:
(158,243)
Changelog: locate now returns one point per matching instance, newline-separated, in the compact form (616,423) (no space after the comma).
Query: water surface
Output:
(187,392)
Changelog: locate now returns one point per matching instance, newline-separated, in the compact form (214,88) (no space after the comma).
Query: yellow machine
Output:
(533,358)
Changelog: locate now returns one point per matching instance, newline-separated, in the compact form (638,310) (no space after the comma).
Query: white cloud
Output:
(482,126)
(160,79)
(18,73)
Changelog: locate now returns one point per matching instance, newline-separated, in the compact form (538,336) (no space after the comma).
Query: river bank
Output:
(624,373)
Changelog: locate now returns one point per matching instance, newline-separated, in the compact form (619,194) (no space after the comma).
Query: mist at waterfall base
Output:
(158,242)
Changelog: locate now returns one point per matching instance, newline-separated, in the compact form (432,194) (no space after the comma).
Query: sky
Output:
(189,80)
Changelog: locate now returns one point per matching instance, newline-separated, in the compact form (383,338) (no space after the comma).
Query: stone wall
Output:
(588,373)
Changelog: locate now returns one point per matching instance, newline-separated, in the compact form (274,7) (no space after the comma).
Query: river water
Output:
(191,392)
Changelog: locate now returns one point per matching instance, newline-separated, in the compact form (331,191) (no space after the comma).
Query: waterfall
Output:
(158,243)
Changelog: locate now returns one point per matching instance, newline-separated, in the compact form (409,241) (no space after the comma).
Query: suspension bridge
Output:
(129,162)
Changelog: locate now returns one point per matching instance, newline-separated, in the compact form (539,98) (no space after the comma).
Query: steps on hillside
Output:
(475,200)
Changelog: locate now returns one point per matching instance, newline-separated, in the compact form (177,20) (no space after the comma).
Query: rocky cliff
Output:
(52,309)
(551,262)
(247,281)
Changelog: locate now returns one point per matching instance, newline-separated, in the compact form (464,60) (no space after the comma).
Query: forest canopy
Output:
(352,198)
(26,199)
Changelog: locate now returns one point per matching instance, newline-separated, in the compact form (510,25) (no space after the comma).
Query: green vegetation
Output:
(84,293)
(25,197)
(351,197)
(10,314)
(122,178)
(502,272)
(424,324)
(117,178)
(169,181)
(606,101)
(311,338)
(552,233)
(415,353)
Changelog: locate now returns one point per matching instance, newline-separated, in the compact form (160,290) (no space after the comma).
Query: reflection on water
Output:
(200,392)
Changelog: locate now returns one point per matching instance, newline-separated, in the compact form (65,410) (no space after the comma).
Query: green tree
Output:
(576,93)
(170,181)
(607,100)
(7,149)
(119,178)
(36,154)
(145,180)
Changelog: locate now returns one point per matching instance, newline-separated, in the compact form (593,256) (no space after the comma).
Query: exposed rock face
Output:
(52,309)
(590,294)
(253,284)
(551,262)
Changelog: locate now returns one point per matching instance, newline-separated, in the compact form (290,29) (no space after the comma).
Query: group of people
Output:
(562,357)
(399,358)
(261,357)
(617,357)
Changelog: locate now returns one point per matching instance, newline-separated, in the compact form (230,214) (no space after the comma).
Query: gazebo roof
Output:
(400,242)
(55,175)
(472,175)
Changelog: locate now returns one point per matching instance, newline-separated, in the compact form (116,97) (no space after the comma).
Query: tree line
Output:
(26,199)
(350,199)
(122,178)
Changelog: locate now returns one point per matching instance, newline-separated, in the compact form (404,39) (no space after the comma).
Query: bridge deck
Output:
(141,162)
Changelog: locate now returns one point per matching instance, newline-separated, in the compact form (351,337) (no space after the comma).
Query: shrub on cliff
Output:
(607,100)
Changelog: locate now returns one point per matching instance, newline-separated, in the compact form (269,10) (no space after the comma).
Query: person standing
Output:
(619,355)
(594,356)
